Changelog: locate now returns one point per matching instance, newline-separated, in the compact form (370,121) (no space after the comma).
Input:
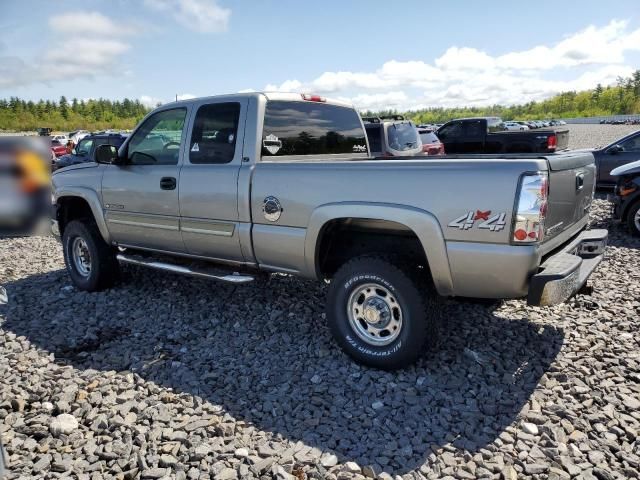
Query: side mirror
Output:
(107,154)
(615,149)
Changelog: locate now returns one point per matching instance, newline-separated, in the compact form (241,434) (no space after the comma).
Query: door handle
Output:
(579,181)
(168,183)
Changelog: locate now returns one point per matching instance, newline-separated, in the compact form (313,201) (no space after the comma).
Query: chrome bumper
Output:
(564,273)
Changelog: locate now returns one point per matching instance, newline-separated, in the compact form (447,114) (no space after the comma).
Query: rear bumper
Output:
(564,272)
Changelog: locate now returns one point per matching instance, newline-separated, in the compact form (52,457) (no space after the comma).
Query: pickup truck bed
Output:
(284,183)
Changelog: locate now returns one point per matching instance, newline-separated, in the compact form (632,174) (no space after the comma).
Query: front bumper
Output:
(565,272)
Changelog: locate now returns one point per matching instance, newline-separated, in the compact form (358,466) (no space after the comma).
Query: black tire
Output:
(417,301)
(634,226)
(104,268)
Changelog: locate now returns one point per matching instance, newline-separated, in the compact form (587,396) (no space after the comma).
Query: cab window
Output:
(84,147)
(311,128)
(157,141)
(214,133)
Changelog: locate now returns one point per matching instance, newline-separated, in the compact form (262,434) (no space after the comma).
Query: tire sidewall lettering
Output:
(359,345)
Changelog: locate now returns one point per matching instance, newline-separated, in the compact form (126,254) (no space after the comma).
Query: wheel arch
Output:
(414,221)
(71,202)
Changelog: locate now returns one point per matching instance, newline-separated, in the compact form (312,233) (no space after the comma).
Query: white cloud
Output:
(204,16)
(83,45)
(150,102)
(467,76)
(88,23)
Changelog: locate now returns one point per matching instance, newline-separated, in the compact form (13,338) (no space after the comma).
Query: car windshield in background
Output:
(309,128)
(402,136)
(428,137)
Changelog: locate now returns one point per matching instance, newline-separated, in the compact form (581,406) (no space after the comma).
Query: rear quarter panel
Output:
(450,189)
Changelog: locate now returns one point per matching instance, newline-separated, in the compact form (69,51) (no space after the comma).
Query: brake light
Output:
(313,98)
(552,142)
(528,224)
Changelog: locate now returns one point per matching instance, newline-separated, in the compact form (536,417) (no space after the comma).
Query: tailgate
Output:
(571,184)
(562,139)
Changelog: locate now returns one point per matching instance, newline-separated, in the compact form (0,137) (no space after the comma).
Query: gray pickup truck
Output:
(225,187)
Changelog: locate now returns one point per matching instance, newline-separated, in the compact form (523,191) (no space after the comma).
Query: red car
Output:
(58,148)
(431,145)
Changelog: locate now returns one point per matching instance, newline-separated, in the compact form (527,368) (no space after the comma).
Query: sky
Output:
(377,54)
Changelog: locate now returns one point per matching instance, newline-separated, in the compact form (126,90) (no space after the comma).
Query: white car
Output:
(61,138)
(78,135)
(515,126)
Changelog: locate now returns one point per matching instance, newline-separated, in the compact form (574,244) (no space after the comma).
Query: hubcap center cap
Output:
(376,312)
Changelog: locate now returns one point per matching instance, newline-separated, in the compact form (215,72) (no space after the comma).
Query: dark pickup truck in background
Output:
(487,135)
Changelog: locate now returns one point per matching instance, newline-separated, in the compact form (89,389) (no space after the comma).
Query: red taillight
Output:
(552,142)
(313,98)
(531,210)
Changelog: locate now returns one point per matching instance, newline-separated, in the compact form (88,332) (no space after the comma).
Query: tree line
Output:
(64,115)
(621,98)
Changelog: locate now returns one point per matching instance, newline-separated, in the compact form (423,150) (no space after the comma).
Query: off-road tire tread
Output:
(429,303)
(108,269)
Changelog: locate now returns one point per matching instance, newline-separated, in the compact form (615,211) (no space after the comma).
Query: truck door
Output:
(140,197)
(451,135)
(209,218)
(474,133)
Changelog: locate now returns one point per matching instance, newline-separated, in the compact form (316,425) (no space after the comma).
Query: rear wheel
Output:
(90,261)
(633,218)
(381,315)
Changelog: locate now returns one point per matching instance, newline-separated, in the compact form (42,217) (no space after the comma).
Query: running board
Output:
(234,277)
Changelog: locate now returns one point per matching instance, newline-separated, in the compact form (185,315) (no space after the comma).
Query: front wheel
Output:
(633,218)
(380,314)
(90,261)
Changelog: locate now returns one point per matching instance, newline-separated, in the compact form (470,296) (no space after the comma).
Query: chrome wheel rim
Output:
(375,314)
(636,220)
(81,256)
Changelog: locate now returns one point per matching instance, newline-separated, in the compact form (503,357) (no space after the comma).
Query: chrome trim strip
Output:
(220,233)
(143,224)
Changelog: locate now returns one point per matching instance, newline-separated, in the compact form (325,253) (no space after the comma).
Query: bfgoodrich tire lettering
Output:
(417,312)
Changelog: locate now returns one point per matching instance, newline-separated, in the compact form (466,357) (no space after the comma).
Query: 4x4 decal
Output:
(493,223)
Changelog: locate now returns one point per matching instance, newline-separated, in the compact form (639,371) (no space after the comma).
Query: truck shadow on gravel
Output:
(263,353)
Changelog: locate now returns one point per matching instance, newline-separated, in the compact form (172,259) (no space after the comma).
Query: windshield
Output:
(402,136)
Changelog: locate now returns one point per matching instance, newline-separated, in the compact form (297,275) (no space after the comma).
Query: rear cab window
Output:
(427,136)
(402,136)
(300,128)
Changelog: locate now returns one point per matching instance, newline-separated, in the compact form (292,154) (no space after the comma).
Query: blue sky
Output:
(401,54)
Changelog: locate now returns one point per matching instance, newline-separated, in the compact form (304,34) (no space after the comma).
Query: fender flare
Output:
(424,224)
(91,197)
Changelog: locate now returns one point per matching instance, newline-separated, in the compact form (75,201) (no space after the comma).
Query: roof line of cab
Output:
(282,96)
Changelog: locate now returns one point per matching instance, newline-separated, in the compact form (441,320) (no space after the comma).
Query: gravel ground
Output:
(589,136)
(163,377)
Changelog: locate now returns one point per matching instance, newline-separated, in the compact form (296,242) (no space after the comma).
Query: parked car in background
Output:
(431,144)
(622,151)
(63,139)
(44,131)
(626,199)
(85,150)
(488,135)
(58,148)
(77,135)
(392,136)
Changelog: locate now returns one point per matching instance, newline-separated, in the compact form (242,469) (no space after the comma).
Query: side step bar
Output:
(235,277)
